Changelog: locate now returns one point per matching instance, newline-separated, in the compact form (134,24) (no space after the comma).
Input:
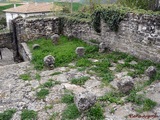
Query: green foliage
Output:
(7,7)
(67,98)
(83,62)
(3,21)
(70,113)
(42,93)
(139,4)
(64,52)
(7,115)
(102,70)
(25,77)
(28,115)
(95,113)
(113,97)
(37,77)
(140,100)
(56,73)
(80,81)
(112,17)
(75,5)
(48,84)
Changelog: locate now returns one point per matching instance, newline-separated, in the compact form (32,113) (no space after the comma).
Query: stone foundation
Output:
(138,35)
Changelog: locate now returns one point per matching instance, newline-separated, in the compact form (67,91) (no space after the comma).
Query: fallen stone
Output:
(102,47)
(80,51)
(125,85)
(151,71)
(55,39)
(84,100)
(35,46)
(49,61)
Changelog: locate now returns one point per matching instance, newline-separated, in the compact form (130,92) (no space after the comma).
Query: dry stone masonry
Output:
(138,35)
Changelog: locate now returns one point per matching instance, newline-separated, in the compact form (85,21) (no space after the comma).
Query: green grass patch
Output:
(7,7)
(53,116)
(25,77)
(140,100)
(70,113)
(64,52)
(67,98)
(42,93)
(95,113)
(48,84)
(113,97)
(80,81)
(83,62)
(76,6)
(7,114)
(28,115)
(56,73)
(37,76)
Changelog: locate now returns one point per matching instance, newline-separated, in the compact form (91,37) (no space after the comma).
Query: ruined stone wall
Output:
(138,35)
(6,40)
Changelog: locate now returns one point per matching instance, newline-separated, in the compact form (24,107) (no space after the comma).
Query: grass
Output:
(28,115)
(56,73)
(48,84)
(140,100)
(42,93)
(7,7)
(70,113)
(37,76)
(64,52)
(95,113)
(83,62)
(80,81)
(25,77)
(76,6)
(7,114)
(112,97)
(67,98)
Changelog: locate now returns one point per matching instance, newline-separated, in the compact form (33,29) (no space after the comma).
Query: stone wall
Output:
(138,35)
(6,40)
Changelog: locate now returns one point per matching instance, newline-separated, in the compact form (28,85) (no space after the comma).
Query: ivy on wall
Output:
(110,16)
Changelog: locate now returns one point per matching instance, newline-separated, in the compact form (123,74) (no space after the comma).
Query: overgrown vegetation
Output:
(95,113)
(42,93)
(7,114)
(70,113)
(113,97)
(140,100)
(64,52)
(79,81)
(25,77)
(68,98)
(28,115)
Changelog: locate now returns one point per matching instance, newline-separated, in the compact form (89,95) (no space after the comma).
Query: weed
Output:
(140,100)
(80,81)
(67,98)
(37,77)
(25,77)
(28,115)
(113,97)
(42,93)
(53,116)
(81,68)
(95,113)
(83,62)
(48,84)
(7,115)
(56,73)
(70,113)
